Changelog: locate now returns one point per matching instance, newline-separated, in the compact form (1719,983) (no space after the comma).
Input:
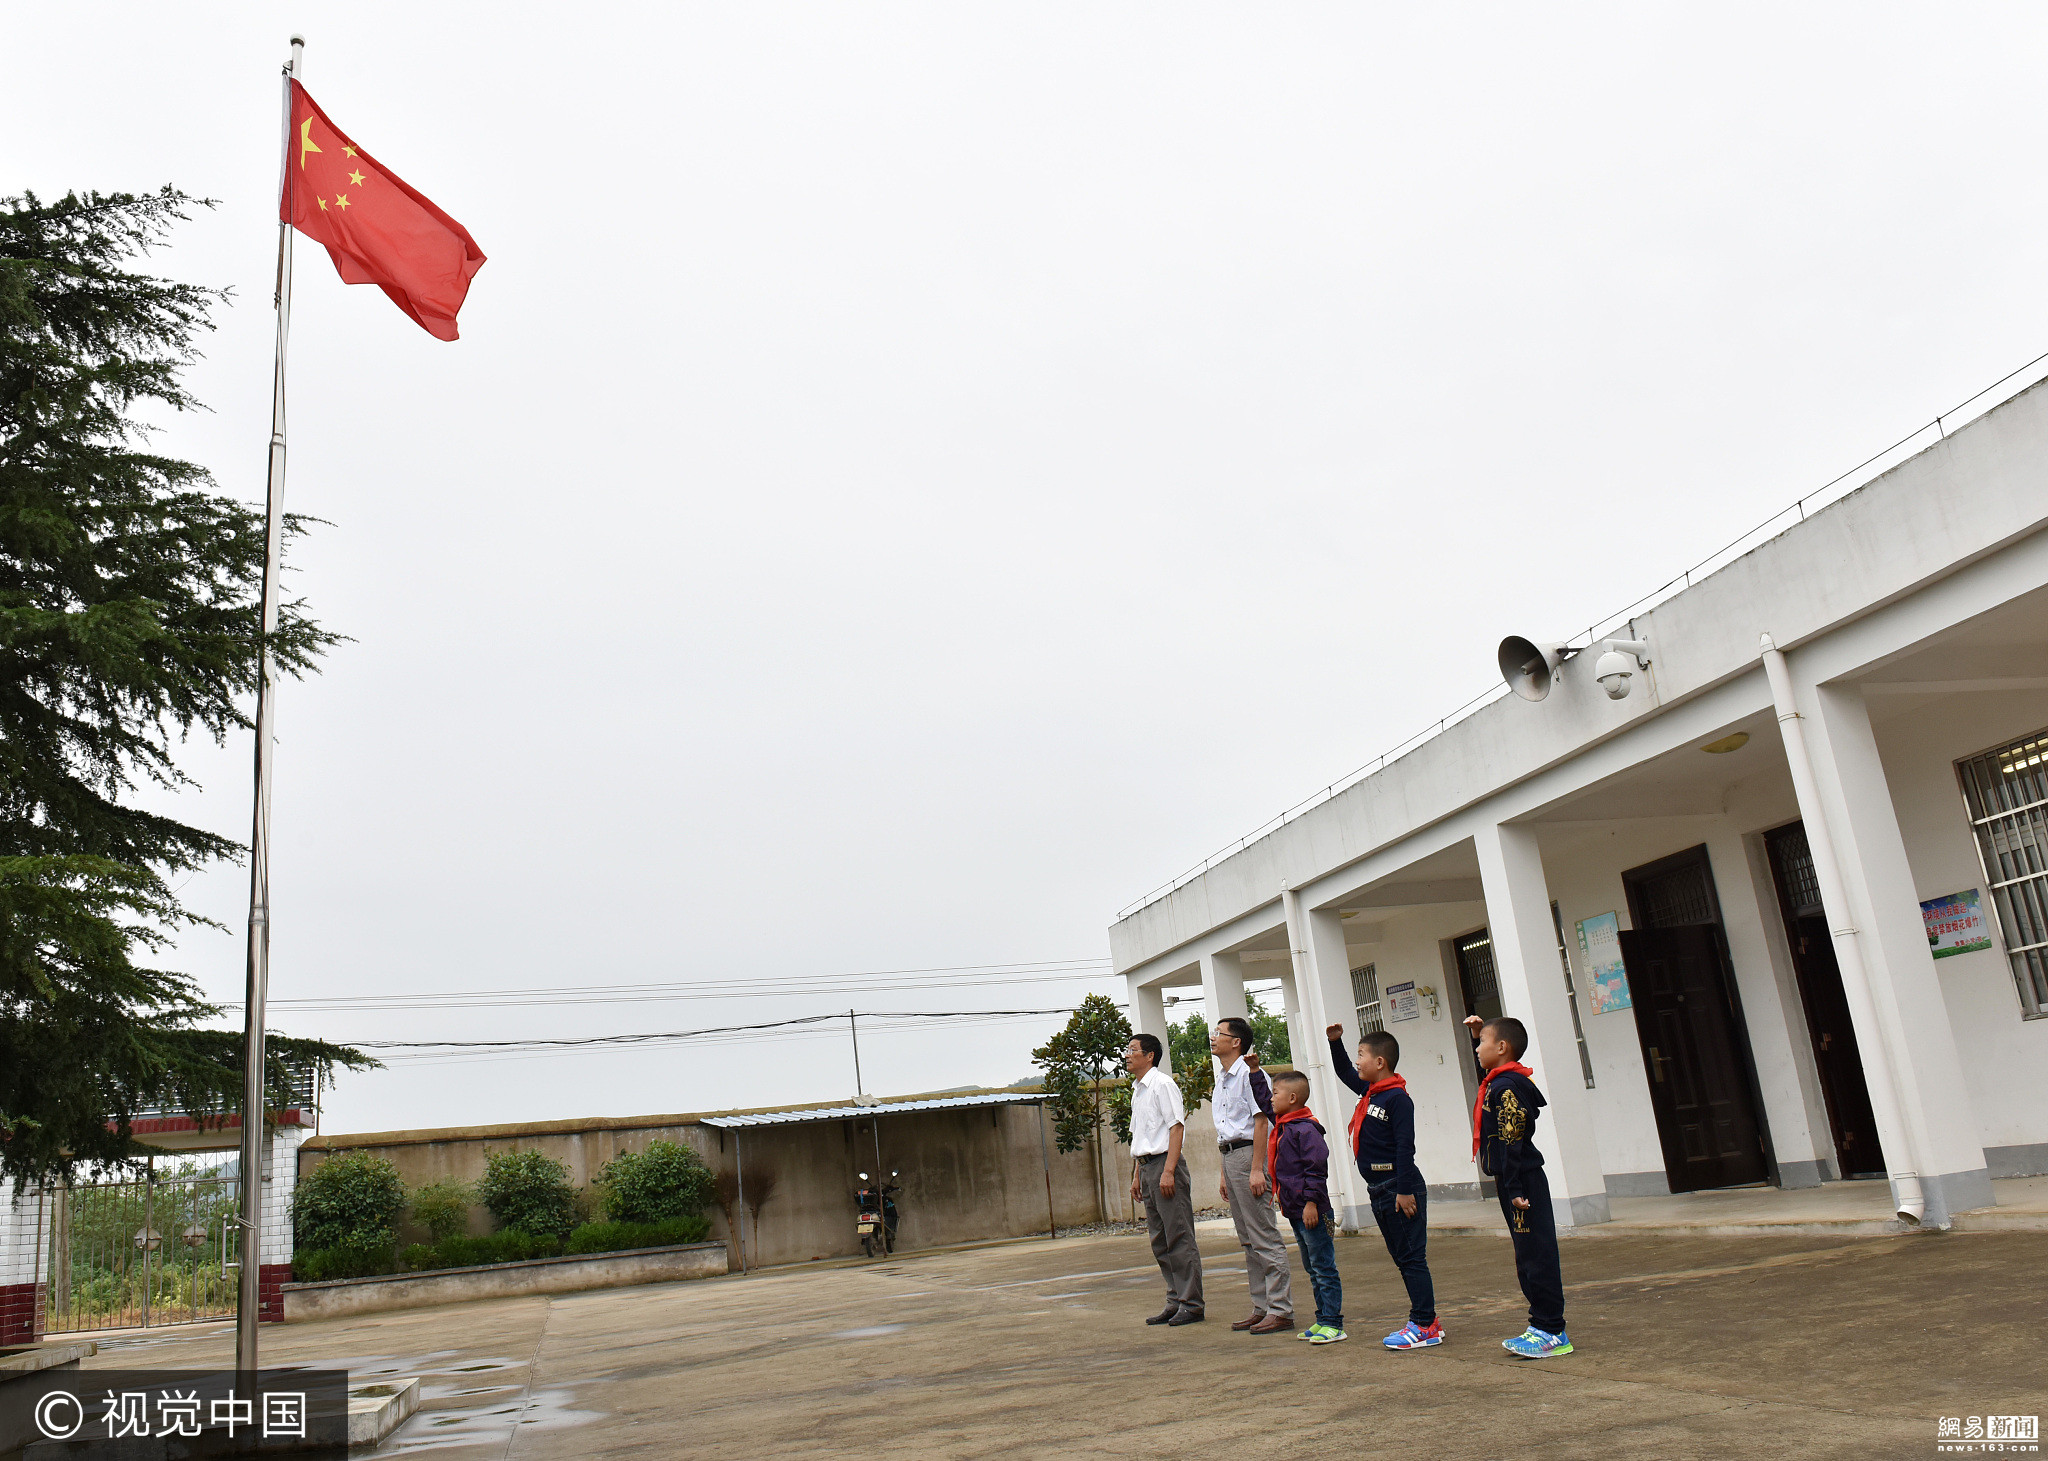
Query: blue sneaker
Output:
(1535,1344)
(1416,1336)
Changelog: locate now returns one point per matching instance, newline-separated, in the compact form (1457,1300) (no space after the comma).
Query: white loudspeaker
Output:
(1528,666)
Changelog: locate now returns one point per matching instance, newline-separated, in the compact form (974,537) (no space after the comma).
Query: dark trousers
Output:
(1534,1230)
(1319,1257)
(1171,1223)
(1407,1243)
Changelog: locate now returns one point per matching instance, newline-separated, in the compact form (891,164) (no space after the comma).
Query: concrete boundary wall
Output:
(967,1174)
(573,1274)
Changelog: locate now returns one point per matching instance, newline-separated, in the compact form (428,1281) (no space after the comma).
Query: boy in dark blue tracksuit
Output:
(1503,1125)
(1383,1142)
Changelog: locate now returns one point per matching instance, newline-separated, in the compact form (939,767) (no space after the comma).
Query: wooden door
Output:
(1835,1055)
(1689,1020)
(1699,1088)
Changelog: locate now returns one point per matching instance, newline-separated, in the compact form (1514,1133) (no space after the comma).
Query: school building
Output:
(1778,915)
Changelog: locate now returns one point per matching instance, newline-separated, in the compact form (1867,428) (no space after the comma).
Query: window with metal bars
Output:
(2006,792)
(1680,898)
(1482,983)
(1365,998)
(1476,974)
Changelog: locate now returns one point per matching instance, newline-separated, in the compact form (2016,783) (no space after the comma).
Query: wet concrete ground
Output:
(1719,1347)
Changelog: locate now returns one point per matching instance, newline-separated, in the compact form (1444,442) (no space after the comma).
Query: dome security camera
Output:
(1616,669)
(1615,672)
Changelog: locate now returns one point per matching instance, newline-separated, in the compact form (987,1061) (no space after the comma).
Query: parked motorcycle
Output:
(876,1220)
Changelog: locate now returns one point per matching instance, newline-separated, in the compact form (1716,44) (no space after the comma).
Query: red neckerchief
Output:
(1391,1083)
(1299,1113)
(1479,1105)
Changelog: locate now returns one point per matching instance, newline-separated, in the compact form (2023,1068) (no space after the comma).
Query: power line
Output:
(979,976)
(585,1041)
(418,1054)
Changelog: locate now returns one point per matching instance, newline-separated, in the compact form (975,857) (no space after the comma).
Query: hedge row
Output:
(345,1212)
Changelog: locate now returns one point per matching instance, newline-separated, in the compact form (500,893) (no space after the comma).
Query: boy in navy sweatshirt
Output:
(1383,1141)
(1503,1125)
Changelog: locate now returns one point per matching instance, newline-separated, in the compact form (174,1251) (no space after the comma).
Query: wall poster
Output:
(1600,945)
(1955,924)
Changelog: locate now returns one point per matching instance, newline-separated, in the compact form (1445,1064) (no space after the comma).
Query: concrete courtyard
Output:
(1687,1347)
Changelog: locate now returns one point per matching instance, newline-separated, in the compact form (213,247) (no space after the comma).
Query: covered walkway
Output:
(1778,915)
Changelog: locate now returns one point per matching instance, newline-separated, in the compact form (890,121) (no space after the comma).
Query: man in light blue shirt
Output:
(1242,1107)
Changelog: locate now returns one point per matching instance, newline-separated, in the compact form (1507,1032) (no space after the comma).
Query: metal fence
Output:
(131,1254)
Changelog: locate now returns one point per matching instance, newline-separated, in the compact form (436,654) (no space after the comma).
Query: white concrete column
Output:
(1222,993)
(1914,1045)
(1802,1143)
(1148,1017)
(1322,980)
(1290,1010)
(1532,990)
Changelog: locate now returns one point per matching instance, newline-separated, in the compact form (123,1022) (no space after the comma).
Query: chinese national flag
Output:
(376,229)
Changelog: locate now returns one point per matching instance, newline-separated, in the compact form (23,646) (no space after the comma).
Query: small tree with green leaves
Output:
(667,1180)
(1269,1033)
(1193,1071)
(529,1191)
(1079,1062)
(442,1208)
(345,1216)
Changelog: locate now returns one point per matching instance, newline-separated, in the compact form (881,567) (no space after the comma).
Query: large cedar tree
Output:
(129,591)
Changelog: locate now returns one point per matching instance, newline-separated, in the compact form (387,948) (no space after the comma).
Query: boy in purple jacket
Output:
(1299,1162)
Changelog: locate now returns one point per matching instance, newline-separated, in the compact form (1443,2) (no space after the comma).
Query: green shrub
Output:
(343,1260)
(612,1237)
(510,1246)
(417,1256)
(442,1208)
(529,1191)
(348,1201)
(665,1181)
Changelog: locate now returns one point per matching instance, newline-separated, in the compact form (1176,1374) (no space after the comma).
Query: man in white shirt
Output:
(1159,1177)
(1243,1111)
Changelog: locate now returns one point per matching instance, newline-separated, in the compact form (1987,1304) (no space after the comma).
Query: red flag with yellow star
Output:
(376,229)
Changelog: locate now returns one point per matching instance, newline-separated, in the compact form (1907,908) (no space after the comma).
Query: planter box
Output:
(564,1275)
(20,1362)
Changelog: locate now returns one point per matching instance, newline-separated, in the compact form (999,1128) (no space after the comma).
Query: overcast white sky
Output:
(915,477)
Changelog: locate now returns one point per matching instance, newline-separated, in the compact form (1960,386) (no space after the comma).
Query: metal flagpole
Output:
(250,1293)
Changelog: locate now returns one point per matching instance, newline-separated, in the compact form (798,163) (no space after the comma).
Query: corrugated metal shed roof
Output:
(880,1108)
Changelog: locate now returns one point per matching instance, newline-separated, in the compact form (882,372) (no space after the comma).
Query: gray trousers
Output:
(1265,1253)
(1171,1222)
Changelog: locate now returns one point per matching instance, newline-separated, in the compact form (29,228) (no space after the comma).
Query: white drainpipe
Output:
(1907,1196)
